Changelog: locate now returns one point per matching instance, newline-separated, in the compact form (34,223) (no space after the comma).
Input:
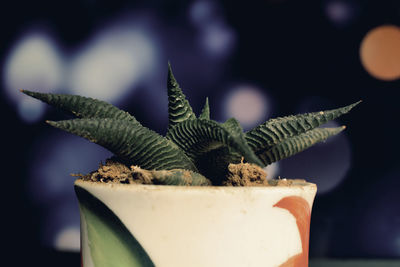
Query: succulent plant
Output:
(197,144)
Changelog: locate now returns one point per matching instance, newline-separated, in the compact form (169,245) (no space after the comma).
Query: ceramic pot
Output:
(152,225)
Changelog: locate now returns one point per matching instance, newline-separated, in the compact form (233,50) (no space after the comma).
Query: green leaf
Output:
(205,113)
(179,109)
(205,140)
(170,177)
(234,128)
(277,130)
(133,143)
(296,144)
(214,164)
(111,243)
(83,107)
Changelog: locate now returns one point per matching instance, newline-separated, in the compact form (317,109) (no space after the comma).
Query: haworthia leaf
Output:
(135,144)
(179,108)
(111,243)
(296,144)
(214,164)
(180,177)
(198,137)
(170,177)
(205,112)
(233,127)
(83,107)
(277,130)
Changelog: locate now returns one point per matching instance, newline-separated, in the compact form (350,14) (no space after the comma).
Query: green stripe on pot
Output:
(111,243)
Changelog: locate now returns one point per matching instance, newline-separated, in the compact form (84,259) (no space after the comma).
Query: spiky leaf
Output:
(296,144)
(83,107)
(198,137)
(179,109)
(135,144)
(214,164)
(205,112)
(277,130)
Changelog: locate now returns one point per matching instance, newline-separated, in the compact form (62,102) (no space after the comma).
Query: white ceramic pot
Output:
(149,225)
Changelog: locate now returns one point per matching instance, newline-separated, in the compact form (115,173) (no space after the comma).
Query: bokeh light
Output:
(248,104)
(325,164)
(340,12)
(203,11)
(34,63)
(30,110)
(54,158)
(60,227)
(378,213)
(68,239)
(218,39)
(380,52)
(115,61)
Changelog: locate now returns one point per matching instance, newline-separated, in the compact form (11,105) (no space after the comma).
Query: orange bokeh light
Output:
(380,52)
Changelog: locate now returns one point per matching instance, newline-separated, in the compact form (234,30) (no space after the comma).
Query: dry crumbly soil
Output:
(242,174)
(246,174)
(115,172)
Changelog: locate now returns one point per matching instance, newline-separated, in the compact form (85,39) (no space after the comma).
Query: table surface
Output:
(46,257)
(353,263)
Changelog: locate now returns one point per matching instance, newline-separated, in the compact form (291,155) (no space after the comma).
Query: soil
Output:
(116,172)
(246,174)
(242,174)
(110,172)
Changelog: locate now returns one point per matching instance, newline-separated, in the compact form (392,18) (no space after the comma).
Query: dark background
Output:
(296,54)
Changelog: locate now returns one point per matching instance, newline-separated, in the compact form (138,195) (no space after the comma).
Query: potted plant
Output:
(199,195)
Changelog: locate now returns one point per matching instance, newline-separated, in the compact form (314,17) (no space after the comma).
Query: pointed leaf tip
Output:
(82,107)
(205,113)
(171,78)
(296,144)
(279,129)
(179,109)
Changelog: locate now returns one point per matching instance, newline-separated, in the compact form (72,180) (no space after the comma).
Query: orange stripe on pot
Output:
(300,209)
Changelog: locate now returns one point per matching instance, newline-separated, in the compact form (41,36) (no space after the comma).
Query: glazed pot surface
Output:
(149,225)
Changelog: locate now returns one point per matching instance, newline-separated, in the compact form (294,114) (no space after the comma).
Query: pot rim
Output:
(297,184)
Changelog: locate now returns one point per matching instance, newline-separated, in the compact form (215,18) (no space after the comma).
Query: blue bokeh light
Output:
(36,63)
(341,13)
(247,103)
(115,61)
(326,163)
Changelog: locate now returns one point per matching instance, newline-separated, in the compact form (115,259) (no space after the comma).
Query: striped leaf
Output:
(205,112)
(296,144)
(214,164)
(170,177)
(179,109)
(199,137)
(83,107)
(135,144)
(234,128)
(276,130)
